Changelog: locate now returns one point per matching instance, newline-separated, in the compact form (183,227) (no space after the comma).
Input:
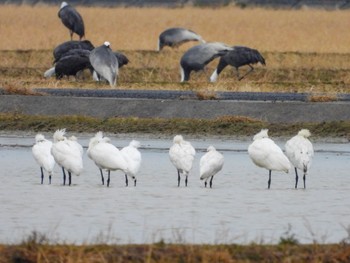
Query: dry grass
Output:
(310,30)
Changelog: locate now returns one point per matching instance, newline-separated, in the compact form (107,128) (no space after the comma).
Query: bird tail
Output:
(49,73)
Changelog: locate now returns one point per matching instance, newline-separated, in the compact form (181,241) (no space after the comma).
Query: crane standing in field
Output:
(197,57)
(105,63)
(72,20)
(238,57)
(176,36)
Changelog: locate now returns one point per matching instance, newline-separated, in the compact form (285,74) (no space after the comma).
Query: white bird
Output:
(210,164)
(133,157)
(42,154)
(68,154)
(182,154)
(106,155)
(300,152)
(266,154)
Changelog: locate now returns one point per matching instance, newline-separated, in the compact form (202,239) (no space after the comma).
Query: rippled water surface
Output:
(239,208)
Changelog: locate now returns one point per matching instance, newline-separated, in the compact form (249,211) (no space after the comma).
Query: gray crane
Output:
(105,63)
(72,20)
(238,57)
(197,57)
(174,37)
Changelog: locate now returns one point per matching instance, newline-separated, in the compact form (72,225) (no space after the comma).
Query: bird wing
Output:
(210,164)
(108,157)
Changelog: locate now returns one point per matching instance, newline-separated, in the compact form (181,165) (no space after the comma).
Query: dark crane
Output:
(238,57)
(72,20)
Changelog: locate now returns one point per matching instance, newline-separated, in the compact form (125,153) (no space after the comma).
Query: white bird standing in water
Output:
(106,155)
(182,154)
(266,154)
(300,152)
(68,154)
(210,164)
(133,157)
(42,154)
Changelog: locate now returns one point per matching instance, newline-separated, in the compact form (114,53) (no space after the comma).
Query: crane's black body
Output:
(71,65)
(72,20)
(238,57)
(122,59)
(65,47)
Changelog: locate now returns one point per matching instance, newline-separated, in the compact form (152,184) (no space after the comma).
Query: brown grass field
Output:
(305,50)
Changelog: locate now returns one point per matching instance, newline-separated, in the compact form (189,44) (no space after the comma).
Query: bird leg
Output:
(50,179)
(178,178)
(102,178)
(304,178)
(135,182)
(269,181)
(186,180)
(205,183)
(71,35)
(211,181)
(126,180)
(296,178)
(108,179)
(240,78)
(42,175)
(64,176)
(69,178)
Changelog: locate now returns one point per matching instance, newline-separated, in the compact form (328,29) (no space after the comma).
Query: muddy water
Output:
(239,208)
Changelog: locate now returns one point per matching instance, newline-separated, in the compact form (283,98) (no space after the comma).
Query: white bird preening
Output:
(182,154)
(68,154)
(266,154)
(105,63)
(42,154)
(133,158)
(300,152)
(210,164)
(106,156)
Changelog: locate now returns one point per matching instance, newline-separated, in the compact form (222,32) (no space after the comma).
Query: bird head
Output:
(262,134)
(178,139)
(304,133)
(211,148)
(107,44)
(64,4)
(39,138)
(135,144)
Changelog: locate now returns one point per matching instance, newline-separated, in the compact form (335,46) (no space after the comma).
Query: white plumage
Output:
(42,154)
(210,164)
(182,154)
(68,154)
(133,158)
(105,155)
(300,152)
(266,154)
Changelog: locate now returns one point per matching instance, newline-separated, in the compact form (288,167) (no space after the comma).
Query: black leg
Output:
(64,176)
(251,69)
(135,182)
(108,179)
(102,178)
(50,179)
(69,178)
(178,178)
(296,178)
(126,180)
(42,175)
(211,181)
(304,178)
(205,183)
(269,182)
(186,180)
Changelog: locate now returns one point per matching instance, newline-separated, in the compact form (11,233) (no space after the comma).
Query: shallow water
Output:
(239,208)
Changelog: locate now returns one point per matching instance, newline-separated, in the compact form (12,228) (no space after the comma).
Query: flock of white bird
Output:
(263,151)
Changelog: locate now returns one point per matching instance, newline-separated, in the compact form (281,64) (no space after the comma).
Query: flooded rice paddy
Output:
(238,209)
